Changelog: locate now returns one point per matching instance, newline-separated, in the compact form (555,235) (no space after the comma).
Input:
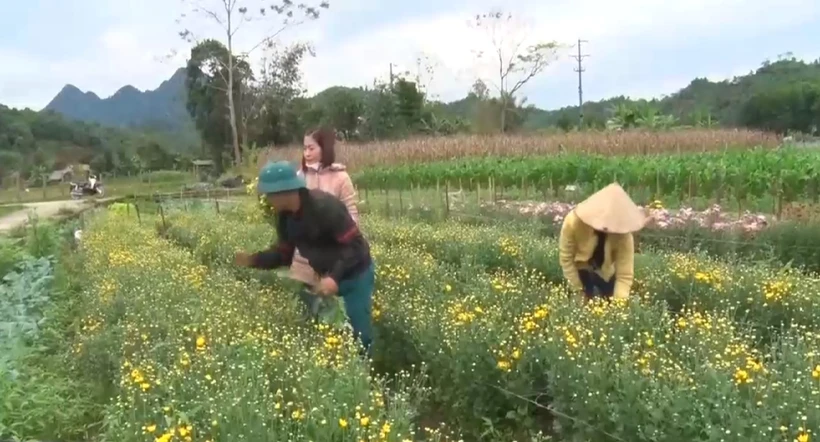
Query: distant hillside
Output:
(33,142)
(723,101)
(162,108)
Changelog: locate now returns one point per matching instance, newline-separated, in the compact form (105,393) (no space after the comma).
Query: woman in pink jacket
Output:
(321,172)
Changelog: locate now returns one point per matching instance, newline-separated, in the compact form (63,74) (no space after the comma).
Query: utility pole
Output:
(580,70)
(391,76)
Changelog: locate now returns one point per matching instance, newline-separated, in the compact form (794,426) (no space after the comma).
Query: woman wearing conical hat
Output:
(596,248)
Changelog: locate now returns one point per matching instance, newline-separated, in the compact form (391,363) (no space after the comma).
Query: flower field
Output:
(729,351)
(477,340)
(192,353)
(788,174)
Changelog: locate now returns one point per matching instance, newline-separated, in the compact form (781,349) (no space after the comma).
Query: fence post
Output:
(162,215)
(446,199)
(691,189)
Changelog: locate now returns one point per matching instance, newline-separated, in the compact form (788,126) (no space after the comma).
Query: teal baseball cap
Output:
(279,177)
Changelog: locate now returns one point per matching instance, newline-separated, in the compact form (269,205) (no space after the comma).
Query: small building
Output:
(62,175)
(200,164)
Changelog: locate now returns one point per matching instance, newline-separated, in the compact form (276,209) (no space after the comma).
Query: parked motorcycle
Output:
(90,188)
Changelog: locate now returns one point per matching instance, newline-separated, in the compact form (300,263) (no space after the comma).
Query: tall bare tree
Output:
(230,16)
(515,61)
(275,90)
(426,66)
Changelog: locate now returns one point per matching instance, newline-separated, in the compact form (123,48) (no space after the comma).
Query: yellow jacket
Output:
(576,245)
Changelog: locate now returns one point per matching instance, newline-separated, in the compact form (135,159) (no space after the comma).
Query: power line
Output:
(580,70)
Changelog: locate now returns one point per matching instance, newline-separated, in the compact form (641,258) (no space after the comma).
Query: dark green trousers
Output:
(357,294)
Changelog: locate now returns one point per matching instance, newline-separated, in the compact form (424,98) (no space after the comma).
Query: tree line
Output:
(781,96)
(35,143)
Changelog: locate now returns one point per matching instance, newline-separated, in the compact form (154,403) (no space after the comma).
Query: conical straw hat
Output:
(611,210)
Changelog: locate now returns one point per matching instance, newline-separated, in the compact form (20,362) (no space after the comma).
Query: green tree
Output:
(344,110)
(785,108)
(207,86)
(275,111)
(410,111)
(10,162)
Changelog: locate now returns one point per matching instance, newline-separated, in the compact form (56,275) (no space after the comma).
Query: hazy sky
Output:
(639,48)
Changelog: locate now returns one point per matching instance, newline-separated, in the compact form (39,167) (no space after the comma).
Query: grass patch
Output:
(8,210)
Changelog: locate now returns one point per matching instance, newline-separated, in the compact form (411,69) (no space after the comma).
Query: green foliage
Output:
(39,142)
(39,399)
(791,244)
(338,107)
(10,254)
(642,116)
(23,296)
(791,173)
(777,96)
(207,102)
(784,108)
(166,176)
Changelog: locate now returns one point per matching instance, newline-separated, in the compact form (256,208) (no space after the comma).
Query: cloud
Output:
(637,47)
(623,37)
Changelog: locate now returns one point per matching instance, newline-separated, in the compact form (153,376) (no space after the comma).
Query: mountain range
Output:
(161,108)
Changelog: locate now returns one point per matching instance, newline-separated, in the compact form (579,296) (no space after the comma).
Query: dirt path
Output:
(43,210)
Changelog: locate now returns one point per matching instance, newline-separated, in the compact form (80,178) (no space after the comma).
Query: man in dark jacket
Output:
(319,225)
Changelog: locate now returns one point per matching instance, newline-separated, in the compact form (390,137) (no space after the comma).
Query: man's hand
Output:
(327,286)
(243,259)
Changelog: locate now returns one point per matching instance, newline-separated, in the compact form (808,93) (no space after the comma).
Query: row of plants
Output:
(191,353)
(766,298)
(789,173)
(502,344)
(40,400)
(627,142)
(749,237)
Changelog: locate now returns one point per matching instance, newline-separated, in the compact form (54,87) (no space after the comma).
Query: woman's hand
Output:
(327,286)
(243,259)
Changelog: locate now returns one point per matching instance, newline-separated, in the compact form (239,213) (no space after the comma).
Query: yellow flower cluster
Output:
(207,357)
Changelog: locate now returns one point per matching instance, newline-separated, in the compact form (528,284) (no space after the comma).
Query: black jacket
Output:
(325,234)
